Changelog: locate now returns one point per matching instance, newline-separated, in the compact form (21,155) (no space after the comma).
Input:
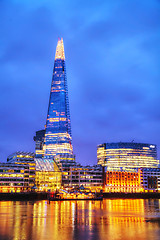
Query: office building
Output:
(58,137)
(24,159)
(90,177)
(76,175)
(42,175)
(150,179)
(48,176)
(127,156)
(127,182)
(15,177)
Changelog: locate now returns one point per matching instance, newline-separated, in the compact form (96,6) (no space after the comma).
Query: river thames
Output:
(108,219)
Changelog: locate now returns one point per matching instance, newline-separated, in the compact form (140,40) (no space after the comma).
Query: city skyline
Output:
(112,55)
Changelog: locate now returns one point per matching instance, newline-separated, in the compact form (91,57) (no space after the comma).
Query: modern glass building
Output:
(58,137)
(127,156)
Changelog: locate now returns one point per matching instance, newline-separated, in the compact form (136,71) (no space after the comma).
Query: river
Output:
(116,219)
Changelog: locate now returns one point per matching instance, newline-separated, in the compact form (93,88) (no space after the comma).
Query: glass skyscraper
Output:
(58,137)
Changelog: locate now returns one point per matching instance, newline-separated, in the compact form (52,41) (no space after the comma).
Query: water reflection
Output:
(107,219)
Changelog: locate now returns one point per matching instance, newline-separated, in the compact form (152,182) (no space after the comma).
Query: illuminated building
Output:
(88,176)
(75,175)
(58,137)
(122,182)
(48,180)
(20,156)
(129,156)
(48,176)
(24,159)
(65,162)
(16,177)
(150,179)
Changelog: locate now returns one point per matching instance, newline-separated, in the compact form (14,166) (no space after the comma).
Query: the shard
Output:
(58,139)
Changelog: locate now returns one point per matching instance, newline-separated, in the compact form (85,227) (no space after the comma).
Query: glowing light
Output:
(60,50)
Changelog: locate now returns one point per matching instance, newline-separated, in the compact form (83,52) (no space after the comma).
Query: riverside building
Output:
(42,175)
(76,175)
(122,182)
(90,177)
(127,156)
(150,179)
(15,177)
(25,159)
(48,176)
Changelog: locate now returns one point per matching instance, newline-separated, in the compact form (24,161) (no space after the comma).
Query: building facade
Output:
(16,177)
(150,179)
(90,177)
(48,176)
(39,142)
(48,181)
(25,159)
(20,156)
(65,162)
(58,137)
(127,156)
(127,182)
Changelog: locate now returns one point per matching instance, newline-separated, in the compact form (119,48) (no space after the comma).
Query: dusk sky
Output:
(112,51)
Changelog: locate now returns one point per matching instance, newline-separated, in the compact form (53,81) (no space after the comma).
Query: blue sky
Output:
(112,53)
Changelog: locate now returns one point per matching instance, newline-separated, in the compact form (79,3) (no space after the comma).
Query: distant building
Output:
(150,179)
(126,156)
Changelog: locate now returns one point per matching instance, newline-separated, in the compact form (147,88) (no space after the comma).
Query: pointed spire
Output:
(60,50)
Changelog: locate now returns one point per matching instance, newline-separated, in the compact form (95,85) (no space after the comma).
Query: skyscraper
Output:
(58,137)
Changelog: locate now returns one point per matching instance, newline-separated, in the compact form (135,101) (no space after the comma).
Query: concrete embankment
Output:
(23,196)
(43,196)
(131,195)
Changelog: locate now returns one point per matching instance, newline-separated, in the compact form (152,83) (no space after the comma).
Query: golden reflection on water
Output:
(108,219)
